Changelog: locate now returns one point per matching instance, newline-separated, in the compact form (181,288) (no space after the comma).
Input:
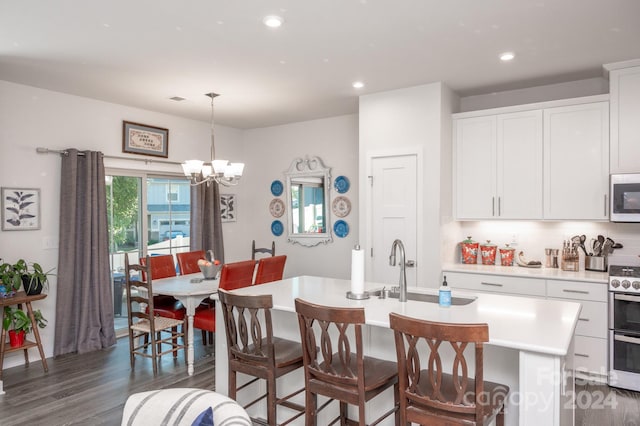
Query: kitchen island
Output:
(530,340)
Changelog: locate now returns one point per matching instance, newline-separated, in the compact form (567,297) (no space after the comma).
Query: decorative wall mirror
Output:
(308,182)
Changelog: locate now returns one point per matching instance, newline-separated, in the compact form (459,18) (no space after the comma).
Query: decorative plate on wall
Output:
(341,206)
(276,207)
(277,228)
(341,184)
(341,228)
(276,188)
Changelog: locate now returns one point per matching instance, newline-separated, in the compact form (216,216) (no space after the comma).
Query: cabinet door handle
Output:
(499,207)
(576,291)
(491,284)
(582,355)
(493,206)
(605,205)
(583,319)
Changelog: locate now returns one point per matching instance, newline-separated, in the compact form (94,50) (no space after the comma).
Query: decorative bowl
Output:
(210,272)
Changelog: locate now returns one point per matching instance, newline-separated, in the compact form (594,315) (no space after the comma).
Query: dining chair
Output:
(431,396)
(252,349)
(188,261)
(232,276)
(263,250)
(156,330)
(270,269)
(328,335)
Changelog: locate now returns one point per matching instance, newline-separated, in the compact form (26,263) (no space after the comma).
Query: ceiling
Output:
(143,52)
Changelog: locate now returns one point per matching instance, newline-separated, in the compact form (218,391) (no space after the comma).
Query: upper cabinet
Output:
(540,161)
(499,166)
(576,162)
(625,119)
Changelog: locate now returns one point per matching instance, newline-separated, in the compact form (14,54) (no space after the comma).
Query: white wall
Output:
(31,118)
(268,153)
(413,118)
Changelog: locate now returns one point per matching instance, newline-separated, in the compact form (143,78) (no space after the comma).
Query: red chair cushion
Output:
(188,261)
(205,319)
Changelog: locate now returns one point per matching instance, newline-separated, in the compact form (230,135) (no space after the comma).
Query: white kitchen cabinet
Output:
(515,286)
(499,166)
(625,120)
(576,162)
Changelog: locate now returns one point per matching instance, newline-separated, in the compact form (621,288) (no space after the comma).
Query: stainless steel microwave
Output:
(625,197)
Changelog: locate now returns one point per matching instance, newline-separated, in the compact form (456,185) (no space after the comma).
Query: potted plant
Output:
(11,276)
(35,279)
(18,324)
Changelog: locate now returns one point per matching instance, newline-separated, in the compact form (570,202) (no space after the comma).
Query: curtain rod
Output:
(41,150)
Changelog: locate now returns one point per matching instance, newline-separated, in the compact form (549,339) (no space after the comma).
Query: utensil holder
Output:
(595,263)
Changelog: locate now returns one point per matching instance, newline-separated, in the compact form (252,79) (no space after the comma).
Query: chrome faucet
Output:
(403,274)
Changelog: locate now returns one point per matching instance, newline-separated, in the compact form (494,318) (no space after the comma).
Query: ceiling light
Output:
(358,85)
(507,56)
(273,21)
(219,171)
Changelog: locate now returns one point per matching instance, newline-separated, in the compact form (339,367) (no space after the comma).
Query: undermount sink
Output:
(420,297)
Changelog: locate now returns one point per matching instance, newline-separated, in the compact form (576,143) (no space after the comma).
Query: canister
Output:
(488,252)
(469,251)
(506,255)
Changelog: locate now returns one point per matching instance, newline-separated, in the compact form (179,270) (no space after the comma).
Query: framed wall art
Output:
(145,140)
(228,207)
(20,209)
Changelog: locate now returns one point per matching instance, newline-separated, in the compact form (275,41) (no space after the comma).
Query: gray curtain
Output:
(84,306)
(206,224)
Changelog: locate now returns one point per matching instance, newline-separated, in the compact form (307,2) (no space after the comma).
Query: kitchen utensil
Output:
(606,247)
(579,240)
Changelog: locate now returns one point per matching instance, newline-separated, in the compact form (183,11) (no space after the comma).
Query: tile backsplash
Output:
(533,237)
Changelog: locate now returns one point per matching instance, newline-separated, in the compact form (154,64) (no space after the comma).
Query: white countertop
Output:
(518,271)
(536,325)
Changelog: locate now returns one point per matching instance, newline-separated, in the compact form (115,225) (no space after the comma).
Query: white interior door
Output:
(394,216)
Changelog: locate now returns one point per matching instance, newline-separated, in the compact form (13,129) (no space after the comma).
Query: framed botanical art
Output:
(20,209)
(228,207)
(145,140)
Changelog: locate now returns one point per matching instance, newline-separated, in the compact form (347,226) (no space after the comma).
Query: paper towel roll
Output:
(357,271)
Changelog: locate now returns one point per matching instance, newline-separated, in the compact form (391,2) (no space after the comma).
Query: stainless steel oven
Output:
(624,327)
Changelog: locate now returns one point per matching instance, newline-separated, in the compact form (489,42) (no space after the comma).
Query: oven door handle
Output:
(627,297)
(626,339)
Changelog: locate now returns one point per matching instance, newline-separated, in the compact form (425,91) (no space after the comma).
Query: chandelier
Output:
(220,171)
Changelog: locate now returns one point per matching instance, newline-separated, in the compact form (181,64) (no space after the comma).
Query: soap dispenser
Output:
(444,295)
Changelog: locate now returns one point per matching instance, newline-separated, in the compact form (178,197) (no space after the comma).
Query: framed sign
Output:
(145,140)
(20,209)
(228,207)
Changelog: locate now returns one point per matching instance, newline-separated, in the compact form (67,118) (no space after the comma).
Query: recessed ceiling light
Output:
(507,56)
(273,21)
(358,85)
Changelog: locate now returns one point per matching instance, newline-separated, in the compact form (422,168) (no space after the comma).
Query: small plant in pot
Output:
(18,324)
(35,279)
(11,276)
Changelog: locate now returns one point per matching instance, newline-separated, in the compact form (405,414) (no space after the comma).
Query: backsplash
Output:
(533,237)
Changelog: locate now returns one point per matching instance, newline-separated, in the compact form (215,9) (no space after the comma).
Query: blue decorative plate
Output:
(277,228)
(341,228)
(276,188)
(341,184)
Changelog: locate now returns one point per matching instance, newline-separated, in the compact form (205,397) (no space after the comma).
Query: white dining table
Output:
(191,290)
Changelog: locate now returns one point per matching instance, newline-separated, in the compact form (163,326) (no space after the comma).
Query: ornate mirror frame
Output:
(309,167)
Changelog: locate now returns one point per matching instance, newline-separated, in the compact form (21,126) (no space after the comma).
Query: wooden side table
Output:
(20,298)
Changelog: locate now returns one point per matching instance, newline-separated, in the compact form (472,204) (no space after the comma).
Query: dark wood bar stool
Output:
(432,397)
(331,368)
(254,350)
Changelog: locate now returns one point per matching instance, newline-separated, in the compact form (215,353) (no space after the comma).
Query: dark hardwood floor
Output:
(91,389)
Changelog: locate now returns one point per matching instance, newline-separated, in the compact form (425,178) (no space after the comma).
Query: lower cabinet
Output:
(590,346)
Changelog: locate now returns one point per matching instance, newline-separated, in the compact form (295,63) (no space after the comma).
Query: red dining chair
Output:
(270,269)
(188,261)
(163,267)
(232,276)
